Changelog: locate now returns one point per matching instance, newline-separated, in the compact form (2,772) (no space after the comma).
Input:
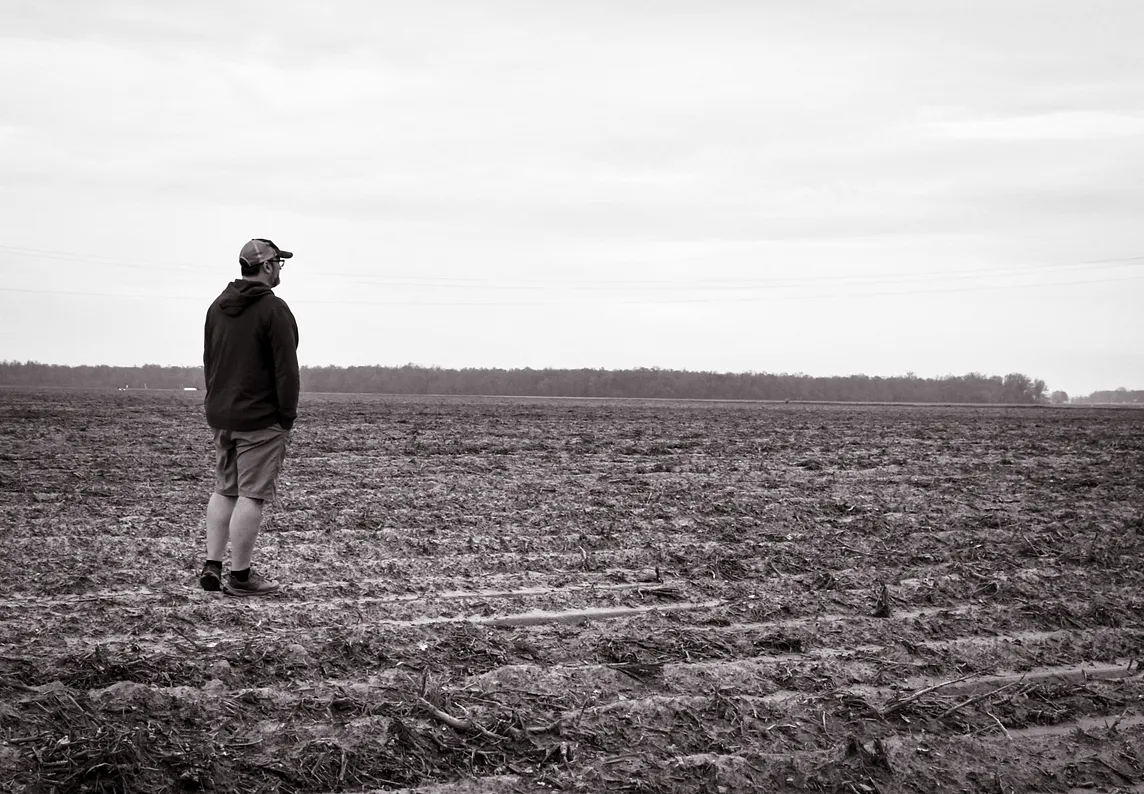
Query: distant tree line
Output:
(149,376)
(1114,396)
(663,383)
(974,387)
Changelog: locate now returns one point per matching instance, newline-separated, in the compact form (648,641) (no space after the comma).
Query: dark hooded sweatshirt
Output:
(250,358)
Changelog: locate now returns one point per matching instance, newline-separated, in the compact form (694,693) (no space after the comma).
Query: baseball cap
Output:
(261,250)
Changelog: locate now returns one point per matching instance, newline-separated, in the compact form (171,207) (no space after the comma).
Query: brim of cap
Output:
(284,254)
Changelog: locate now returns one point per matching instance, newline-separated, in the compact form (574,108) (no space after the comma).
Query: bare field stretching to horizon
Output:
(516,595)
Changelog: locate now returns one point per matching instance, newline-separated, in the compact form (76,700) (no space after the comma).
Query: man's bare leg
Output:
(244,524)
(219,511)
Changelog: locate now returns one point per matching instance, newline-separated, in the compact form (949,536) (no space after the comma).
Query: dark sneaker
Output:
(255,585)
(211,578)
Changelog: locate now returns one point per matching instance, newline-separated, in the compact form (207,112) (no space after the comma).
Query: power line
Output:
(96,259)
(661,302)
(469,282)
(734,284)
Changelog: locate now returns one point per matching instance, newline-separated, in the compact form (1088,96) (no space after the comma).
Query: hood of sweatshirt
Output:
(240,294)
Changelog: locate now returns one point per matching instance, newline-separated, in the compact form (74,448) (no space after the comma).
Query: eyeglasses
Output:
(279,263)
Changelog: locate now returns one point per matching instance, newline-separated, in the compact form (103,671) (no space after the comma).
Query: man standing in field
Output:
(250,359)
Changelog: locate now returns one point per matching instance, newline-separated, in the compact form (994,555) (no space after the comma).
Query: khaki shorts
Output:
(248,461)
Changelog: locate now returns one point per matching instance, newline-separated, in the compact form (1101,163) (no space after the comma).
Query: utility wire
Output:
(843,280)
(662,302)
(469,282)
(459,282)
(96,259)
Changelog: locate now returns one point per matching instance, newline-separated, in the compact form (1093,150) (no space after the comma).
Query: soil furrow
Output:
(653,632)
(974,763)
(412,574)
(747,603)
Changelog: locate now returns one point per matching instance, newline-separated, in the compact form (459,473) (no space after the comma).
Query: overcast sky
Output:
(775,185)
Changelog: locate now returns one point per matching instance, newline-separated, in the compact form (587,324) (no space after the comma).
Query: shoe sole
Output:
(238,593)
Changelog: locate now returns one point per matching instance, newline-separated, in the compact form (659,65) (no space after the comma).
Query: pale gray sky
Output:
(788,186)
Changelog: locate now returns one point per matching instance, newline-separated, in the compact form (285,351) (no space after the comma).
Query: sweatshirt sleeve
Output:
(284,348)
(208,363)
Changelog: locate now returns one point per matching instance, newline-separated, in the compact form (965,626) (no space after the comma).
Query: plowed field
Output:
(499,595)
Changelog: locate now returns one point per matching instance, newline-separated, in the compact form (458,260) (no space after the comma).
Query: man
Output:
(250,358)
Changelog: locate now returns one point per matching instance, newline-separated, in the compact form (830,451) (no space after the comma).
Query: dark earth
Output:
(514,595)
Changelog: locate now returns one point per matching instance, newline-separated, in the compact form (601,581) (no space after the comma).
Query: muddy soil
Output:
(510,595)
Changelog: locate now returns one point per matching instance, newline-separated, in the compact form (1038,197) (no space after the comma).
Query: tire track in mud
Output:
(679,536)
(870,649)
(840,584)
(793,725)
(739,648)
(919,694)
(924,761)
(866,647)
(469,606)
(768,533)
(440,611)
(501,784)
(646,693)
